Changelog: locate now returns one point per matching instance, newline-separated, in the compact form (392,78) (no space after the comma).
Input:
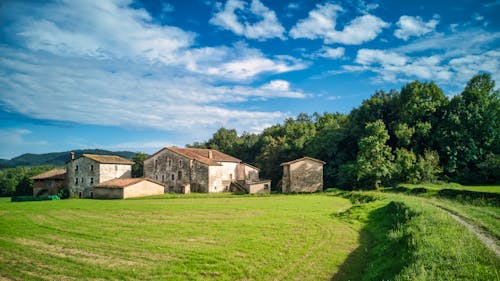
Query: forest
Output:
(416,135)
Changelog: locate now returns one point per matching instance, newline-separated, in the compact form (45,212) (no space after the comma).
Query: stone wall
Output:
(175,172)
(51,186)
(259,187)
(108,193)
(303,176)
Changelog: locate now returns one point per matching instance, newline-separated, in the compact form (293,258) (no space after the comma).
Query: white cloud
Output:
(268,25)
(108,64)
(409,26)
(330,53)
(369,56)
(321,24)
(12,139)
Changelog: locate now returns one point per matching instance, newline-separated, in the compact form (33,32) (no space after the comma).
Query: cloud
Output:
(11,139)
(409,26)
(330,53)
(267,26)
(106,63)
(321,24)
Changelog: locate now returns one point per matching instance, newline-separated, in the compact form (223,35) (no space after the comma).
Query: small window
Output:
(82,180)
(80,194)
(179,175)
(162,178)
(91,168)
(91,180)
(91,194)
(156,163)
(169,162)
(266,186)
(76,180)
(180,163)
(173,177)
(76,168)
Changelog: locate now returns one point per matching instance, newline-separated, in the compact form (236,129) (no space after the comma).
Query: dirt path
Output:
(486,239)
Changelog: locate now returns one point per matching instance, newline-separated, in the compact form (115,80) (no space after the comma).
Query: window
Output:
(169,162)
(91,180)
(91,194)
(80,194)
(76,168)
(91,168)
(76,180)
(180,163)
(162,178)
(82,180)
(173,177)
(266,186)
(156,163)
(179,175)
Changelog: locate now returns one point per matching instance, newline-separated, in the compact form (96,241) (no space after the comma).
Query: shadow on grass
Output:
(385,247)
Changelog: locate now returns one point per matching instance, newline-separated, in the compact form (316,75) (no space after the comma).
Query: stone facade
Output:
(127,188)
(302,175)
(197,170)
(49,183)
(84,172)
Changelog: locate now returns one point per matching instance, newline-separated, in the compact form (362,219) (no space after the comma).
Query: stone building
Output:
(302,175)
(200,170)
(90,169)
(49,183)
(127,188)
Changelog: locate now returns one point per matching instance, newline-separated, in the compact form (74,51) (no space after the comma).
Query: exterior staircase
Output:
(238,187)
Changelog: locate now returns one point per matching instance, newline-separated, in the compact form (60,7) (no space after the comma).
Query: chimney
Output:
(210,154)
(72,155)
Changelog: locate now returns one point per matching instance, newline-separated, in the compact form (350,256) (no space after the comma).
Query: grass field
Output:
(456,186)
(233,238)
(330,236)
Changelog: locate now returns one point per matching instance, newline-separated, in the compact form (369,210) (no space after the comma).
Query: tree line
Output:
(414,135)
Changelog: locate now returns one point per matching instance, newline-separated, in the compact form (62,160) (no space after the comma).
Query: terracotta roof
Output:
(202,155)
(302,159)
(55,174)
(108,159)
(122,183)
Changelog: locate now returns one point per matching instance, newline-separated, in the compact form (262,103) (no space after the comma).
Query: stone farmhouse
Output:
(203,170)
(127,188)
(49,183)
(88,170)
(302,175)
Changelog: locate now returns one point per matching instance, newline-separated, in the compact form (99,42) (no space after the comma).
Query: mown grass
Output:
(200,238)
(408,238)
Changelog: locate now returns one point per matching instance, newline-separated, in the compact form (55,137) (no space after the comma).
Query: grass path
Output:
(486,239)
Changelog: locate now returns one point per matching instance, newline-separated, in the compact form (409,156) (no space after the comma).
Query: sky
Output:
(141,75)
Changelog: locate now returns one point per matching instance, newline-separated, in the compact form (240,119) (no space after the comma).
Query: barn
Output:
(127,188)
(302,175)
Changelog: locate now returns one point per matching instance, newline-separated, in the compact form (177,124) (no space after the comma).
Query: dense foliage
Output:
(17,181)
(415,135)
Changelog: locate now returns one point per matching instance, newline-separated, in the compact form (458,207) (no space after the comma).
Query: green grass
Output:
(331,236)
(408,238)
(456,186)
(194,238)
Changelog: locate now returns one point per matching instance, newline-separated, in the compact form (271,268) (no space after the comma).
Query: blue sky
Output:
(140,75)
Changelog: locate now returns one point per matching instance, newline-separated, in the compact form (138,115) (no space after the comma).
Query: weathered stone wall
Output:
(52,186)
(83,174)
(176,171)
(143,188)
(108,193)
(304,176)
(259,187)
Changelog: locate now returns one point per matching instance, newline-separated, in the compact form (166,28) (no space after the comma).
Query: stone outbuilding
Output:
(302,175)
(127,188)
(88,170)
(49,183)
(201,170)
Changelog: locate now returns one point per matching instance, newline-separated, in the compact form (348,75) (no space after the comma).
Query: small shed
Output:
(49,183)
(127,188)
(302,175)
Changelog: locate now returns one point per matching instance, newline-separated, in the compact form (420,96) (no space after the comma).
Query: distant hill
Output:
(57,158)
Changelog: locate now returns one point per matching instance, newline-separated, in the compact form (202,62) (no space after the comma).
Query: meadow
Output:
(328,236)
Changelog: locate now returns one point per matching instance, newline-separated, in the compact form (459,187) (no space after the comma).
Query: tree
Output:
(405,166)
(374,161)
(470,131)
(138,166)
(24,187)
